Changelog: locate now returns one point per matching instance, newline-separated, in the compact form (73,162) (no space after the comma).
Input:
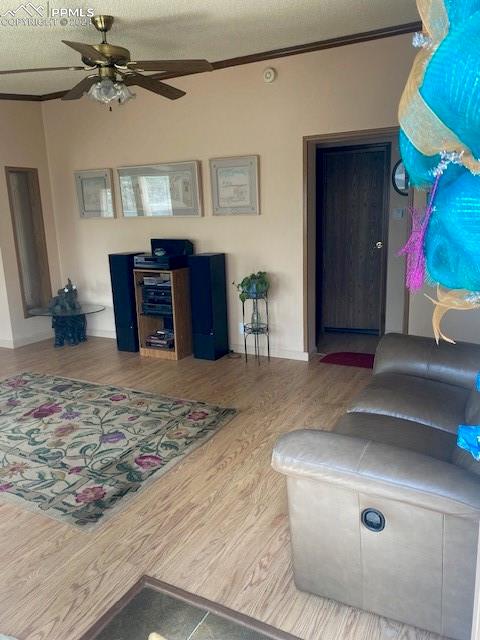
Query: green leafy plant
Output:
(253,286)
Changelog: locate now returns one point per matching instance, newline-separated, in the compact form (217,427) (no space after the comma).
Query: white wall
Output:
(228,112)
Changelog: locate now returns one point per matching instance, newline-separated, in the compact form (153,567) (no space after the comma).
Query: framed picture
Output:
(94,193)
(161,190)
(235,185)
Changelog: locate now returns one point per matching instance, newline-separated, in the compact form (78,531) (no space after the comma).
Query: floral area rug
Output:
(73,450)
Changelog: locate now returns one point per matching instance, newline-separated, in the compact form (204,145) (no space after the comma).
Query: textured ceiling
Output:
(212,29)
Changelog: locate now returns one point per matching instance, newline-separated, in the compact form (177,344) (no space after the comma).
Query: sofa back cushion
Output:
(455,364)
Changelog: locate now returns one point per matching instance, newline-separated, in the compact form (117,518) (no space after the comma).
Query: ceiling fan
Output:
(115,71)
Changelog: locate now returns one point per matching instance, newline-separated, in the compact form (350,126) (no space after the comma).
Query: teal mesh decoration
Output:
(439,141)
(421,168)
(452,242)
(468,438)
(459,10)
(451,84)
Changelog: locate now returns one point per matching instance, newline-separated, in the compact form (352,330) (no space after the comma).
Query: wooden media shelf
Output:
(174,315)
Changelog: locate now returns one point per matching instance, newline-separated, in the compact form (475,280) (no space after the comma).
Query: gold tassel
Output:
(449,299)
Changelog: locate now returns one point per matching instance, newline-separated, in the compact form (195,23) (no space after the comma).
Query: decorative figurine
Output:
(66,300)
(68,321)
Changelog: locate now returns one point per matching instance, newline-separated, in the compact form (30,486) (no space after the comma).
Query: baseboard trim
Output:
(39,337)
(48,335)
(274,353)
(237,348)
(111,334)
(102,333)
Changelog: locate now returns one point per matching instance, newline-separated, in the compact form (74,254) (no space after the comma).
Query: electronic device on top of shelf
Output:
(166,254)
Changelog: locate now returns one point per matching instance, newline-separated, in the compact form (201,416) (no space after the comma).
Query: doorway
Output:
(29,234)
(353,281)
(352,202)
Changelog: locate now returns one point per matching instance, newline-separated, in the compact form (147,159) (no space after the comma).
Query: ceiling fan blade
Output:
(44,69)
(87,50)
(79,89)
(166,90)
(194,66)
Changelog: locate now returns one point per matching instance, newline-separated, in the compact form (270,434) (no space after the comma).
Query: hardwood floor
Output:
(215,525)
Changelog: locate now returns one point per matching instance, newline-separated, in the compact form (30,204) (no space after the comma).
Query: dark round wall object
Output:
(400,179)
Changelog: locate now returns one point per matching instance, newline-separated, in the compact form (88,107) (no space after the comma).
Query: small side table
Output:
(69,326)
(256,328)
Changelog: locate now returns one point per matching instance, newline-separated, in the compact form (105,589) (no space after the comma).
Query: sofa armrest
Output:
(456,364)
(382,470)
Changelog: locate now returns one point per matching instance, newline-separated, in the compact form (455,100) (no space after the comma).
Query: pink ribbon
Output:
(413,249)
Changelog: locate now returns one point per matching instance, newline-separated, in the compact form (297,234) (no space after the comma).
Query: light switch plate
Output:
(398,213)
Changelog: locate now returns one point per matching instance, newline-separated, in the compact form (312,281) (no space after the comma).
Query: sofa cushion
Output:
(472,411)
(435,404)
(397,432)
(465,460)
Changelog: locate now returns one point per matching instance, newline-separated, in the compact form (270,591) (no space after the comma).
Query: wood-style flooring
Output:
(215,525)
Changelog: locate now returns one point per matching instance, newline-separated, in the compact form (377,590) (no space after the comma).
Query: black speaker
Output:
(209,305)
(124,306)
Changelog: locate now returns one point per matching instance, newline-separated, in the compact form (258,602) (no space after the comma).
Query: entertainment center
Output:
(158,298)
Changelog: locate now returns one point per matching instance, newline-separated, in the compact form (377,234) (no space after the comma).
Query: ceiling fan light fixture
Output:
(123,93)
(106,91)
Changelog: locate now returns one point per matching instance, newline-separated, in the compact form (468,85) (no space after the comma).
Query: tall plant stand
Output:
(256,328)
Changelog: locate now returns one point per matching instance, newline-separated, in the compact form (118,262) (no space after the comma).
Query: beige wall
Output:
(458,325)
(6,336)
(397,236)
(22,145)
(229,112)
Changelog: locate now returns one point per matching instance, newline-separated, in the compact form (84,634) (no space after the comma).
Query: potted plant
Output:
(253,286)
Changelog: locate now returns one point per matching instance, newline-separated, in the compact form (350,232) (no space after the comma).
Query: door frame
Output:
(310,144)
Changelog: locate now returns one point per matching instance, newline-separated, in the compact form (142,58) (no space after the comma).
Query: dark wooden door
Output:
(354,244)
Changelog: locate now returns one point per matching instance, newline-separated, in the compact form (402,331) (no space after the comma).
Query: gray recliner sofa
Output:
(384,510)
